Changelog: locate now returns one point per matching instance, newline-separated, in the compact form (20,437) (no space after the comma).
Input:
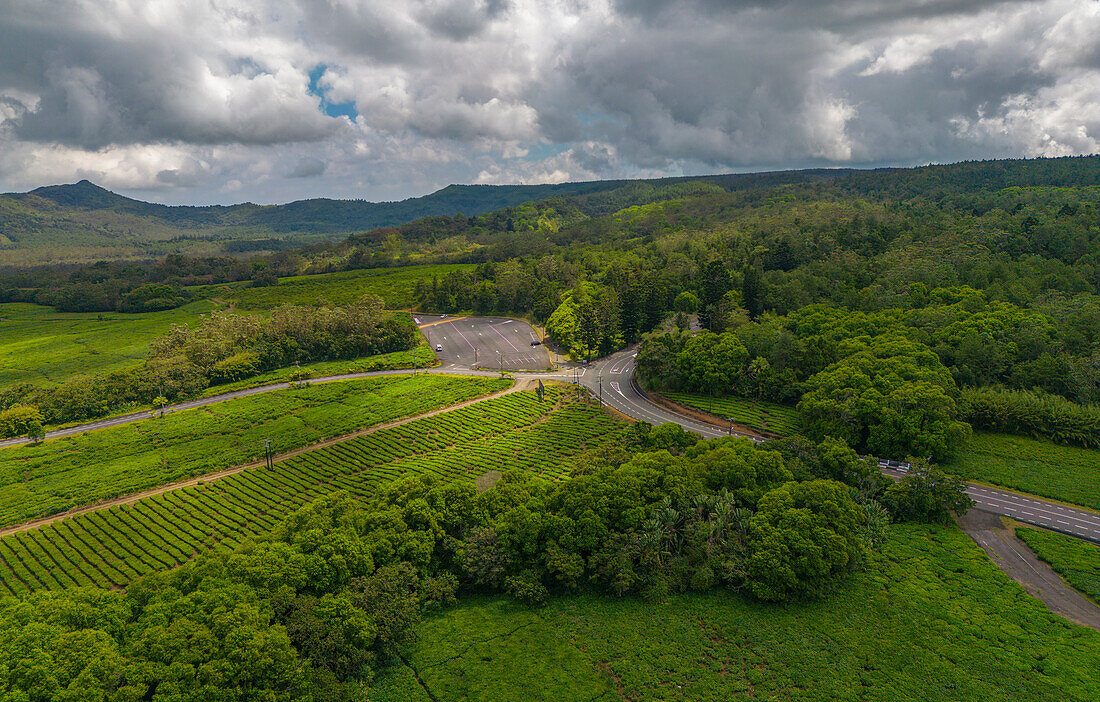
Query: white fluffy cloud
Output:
(271,100)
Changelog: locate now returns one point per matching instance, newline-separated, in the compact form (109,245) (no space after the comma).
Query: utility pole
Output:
(500,363)
(267,452)
(601,391)
(475,357)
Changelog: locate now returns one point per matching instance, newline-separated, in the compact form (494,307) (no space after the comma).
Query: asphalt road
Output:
(493,343)
(615,373)
(610,379)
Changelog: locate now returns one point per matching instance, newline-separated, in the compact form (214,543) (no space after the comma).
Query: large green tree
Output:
(893,398)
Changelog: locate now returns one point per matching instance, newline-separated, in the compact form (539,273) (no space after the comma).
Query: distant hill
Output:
(83,222)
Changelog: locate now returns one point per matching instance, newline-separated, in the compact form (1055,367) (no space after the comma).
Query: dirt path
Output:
(1022,565)
(521,384)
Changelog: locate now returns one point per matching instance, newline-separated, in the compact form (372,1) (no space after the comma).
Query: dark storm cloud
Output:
(213,99)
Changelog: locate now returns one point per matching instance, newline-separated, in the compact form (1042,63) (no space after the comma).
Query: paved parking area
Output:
(485,342)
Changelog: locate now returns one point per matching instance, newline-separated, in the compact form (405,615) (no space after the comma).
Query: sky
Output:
(223,101)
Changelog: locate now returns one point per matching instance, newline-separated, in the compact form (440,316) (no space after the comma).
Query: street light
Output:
(601,391)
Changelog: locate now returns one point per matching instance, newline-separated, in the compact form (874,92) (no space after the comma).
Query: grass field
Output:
(60,474)
(1076,560)
(1044,468)
(113,547)
(933,620)
(394,285)
(419,357)
(42,346)
(766,416)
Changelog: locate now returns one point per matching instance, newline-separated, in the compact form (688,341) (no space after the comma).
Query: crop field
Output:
(112,547)
(60,474)
(42,346)
(394,285)
(933,620)
(765,416)
(1065,473)
(1076,560)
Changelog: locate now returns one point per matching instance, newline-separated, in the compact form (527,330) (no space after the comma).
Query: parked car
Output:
(439,347)
(536,342)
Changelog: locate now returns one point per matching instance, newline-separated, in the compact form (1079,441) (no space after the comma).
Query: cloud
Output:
(308,167)
(219,100)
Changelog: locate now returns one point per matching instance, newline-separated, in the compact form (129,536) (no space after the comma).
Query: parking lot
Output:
(485,342)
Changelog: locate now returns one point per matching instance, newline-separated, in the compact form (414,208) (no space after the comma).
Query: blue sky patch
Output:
(332,109)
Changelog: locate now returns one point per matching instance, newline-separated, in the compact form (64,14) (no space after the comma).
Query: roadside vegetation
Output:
(764,416)
(60,474)
(1076,560)
(1067,473)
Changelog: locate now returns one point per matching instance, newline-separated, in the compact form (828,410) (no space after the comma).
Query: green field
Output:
(60,474)
(765,416)
(113,547)
(42,346)
(1044,468)
(933,620)
(1076,560)
(394,285)
(420,357)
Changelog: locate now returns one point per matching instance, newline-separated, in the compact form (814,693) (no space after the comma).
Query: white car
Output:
(439,347)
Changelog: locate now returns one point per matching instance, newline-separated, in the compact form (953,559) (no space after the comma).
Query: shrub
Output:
(19,420)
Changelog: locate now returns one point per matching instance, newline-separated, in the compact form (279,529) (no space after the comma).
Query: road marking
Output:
(514,347)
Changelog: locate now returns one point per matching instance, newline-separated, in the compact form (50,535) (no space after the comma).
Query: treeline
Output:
(313,610)
(126,287)
(223,348)
(908,362)
(1036,414)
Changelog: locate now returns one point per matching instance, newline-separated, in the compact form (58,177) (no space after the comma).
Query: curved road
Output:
(612,380)
(615,376)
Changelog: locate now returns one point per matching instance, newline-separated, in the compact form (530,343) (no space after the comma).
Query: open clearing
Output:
(42,346)
(933,620)
(394,285)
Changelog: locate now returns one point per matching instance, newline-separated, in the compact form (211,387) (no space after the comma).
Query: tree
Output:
(18,420)
(803,535)
(686,303)
(894,398)
(712,363)
(927,494)
(715,283)
(752,290)
(35,432)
